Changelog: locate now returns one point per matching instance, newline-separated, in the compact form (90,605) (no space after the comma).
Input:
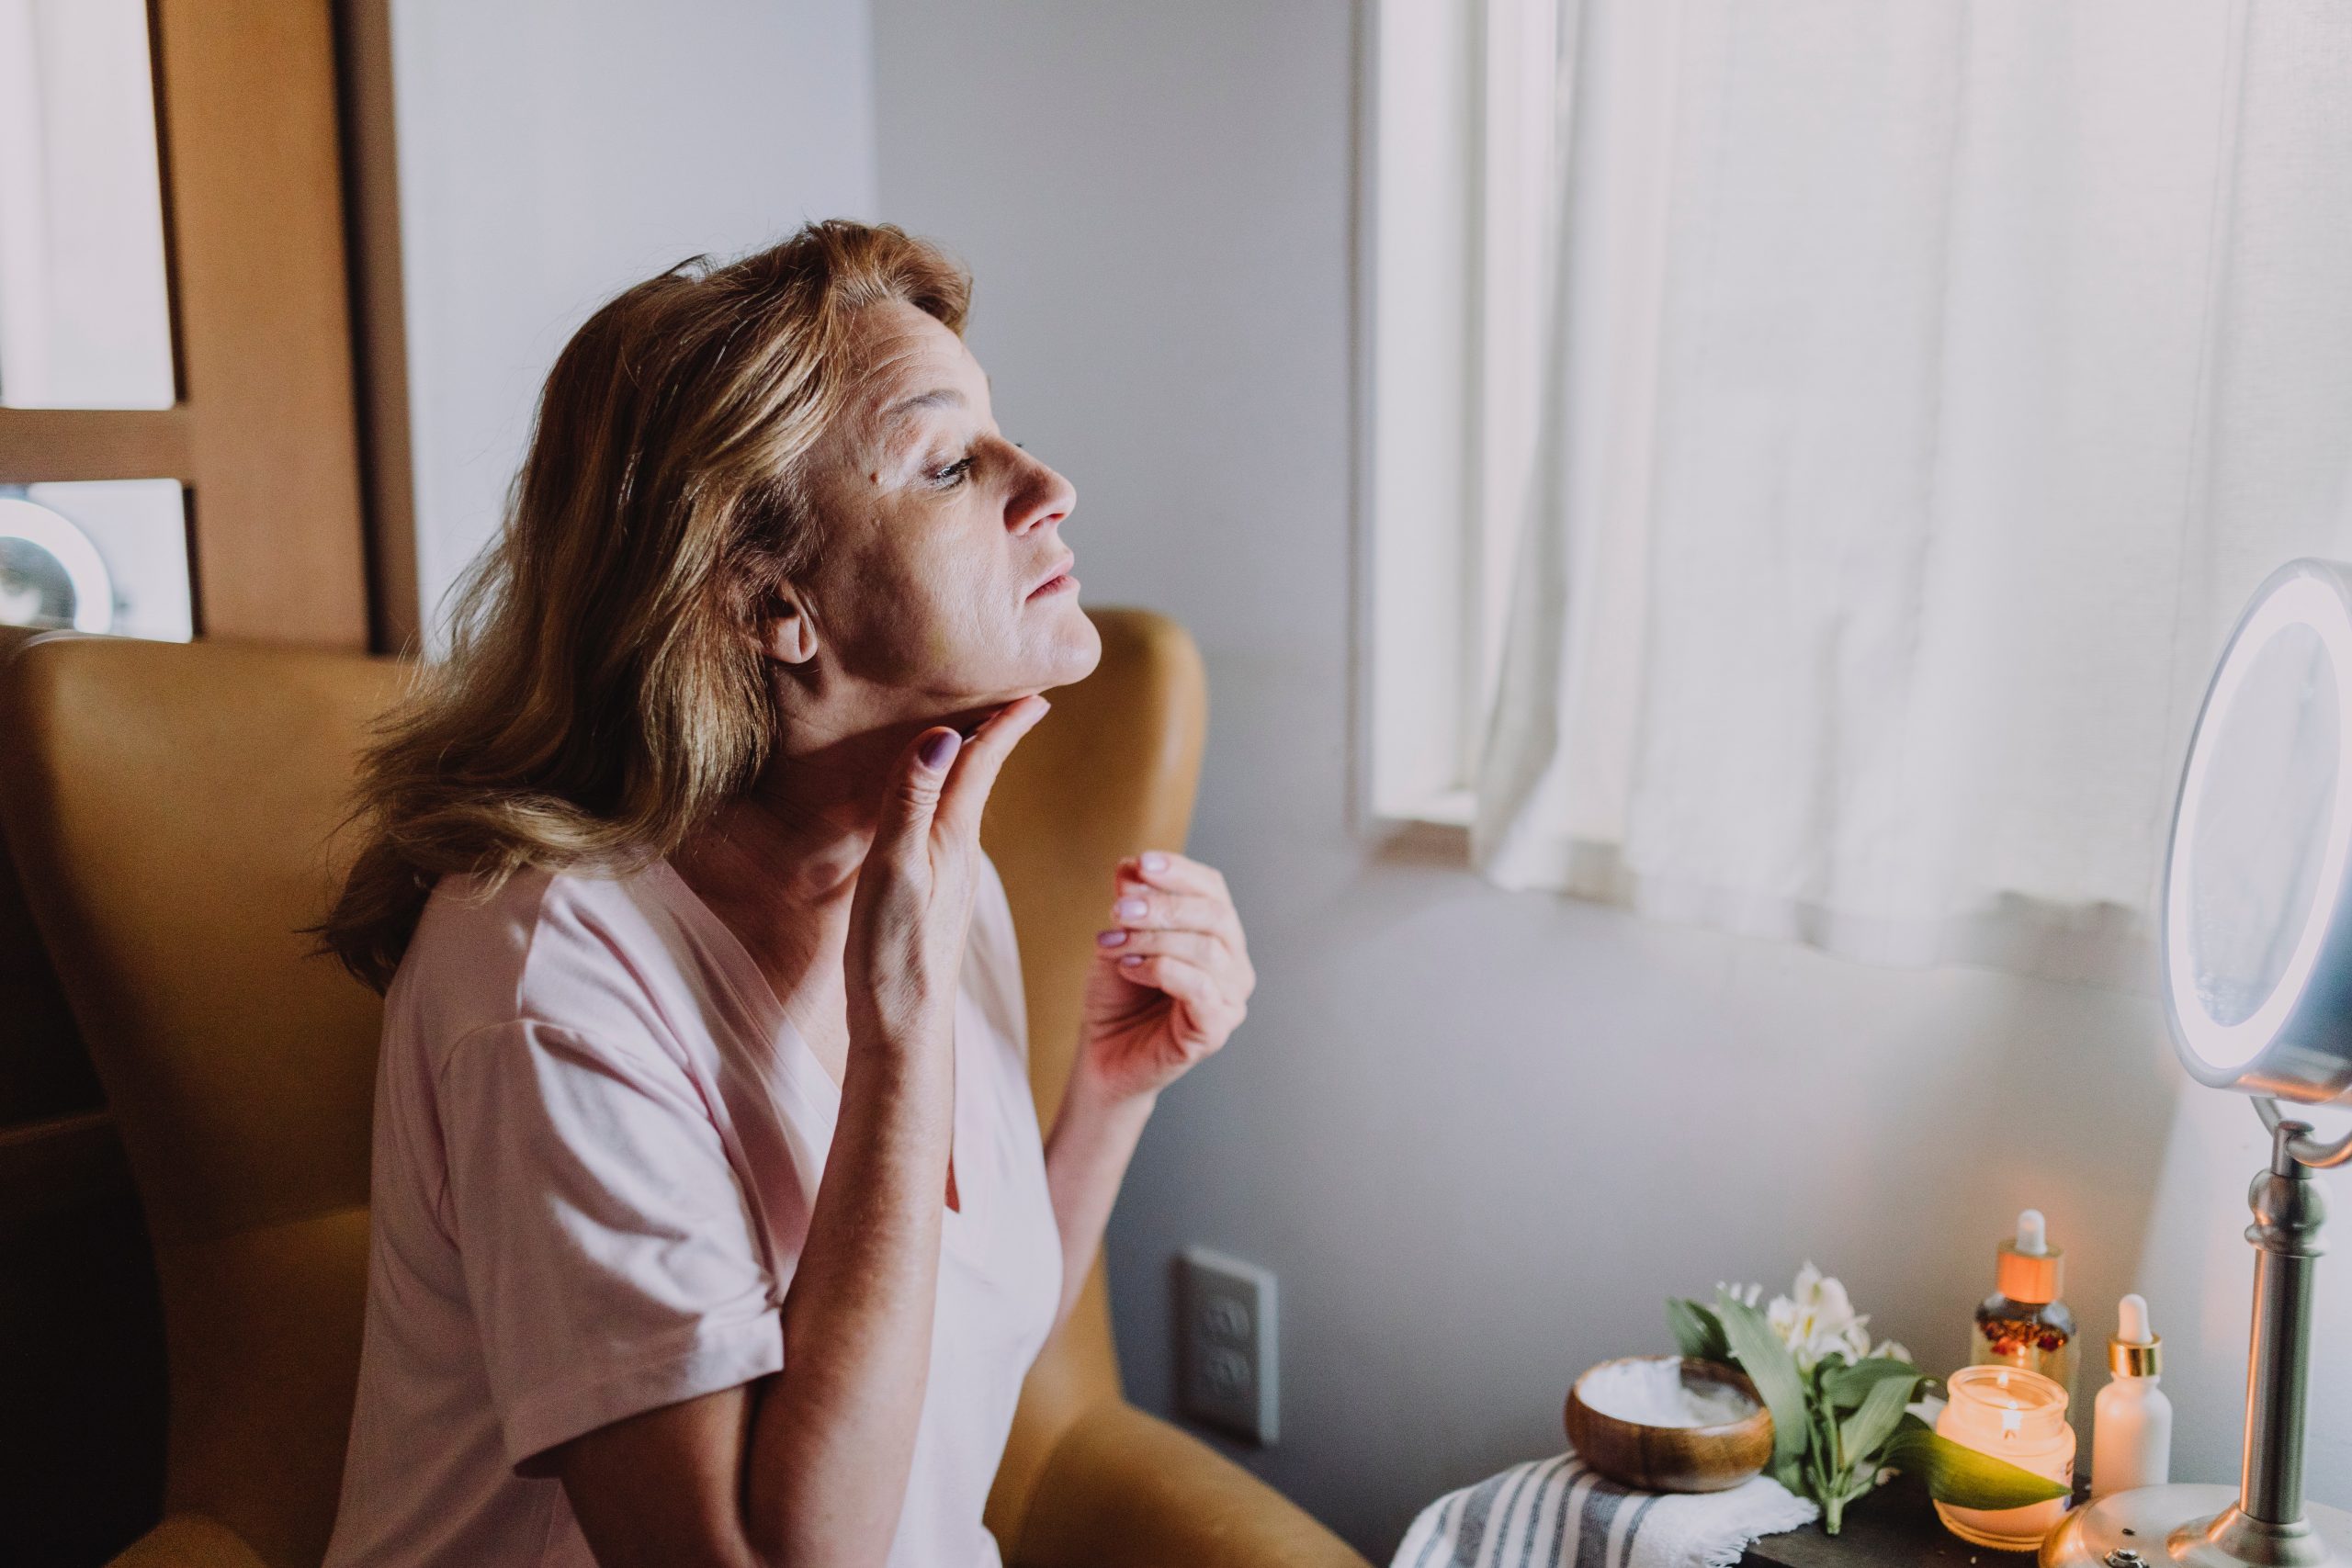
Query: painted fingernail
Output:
(1131,960)
(1154,861)
(1110,939)
(939,749)
(1130,909)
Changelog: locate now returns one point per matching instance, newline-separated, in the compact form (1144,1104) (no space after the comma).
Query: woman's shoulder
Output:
(469,915)
(566,948)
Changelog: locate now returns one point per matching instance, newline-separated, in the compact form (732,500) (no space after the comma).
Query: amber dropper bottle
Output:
(2024,1323)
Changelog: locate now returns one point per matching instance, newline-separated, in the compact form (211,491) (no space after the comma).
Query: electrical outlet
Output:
(1224,1309)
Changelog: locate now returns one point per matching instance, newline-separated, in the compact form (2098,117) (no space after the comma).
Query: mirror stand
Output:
(2267,1524)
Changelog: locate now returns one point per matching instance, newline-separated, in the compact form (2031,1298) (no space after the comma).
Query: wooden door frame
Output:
(380,319)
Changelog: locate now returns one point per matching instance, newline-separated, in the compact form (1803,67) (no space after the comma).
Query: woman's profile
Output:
(712,1220)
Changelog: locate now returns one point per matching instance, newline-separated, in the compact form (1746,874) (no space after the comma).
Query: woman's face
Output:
(942,584)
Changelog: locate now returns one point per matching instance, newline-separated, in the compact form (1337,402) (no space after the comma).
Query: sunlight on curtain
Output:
(1928,387)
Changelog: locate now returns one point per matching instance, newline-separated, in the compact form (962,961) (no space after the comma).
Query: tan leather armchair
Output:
(170,810)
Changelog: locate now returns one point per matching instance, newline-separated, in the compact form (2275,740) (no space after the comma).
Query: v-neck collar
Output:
(740,972)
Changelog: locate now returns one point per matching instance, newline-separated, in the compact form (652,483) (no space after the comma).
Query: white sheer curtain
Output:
(1930,383)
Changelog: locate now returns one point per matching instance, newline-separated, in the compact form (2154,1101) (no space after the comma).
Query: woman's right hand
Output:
(913,903)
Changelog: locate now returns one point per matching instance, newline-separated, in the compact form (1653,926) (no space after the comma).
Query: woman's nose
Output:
(1045,498)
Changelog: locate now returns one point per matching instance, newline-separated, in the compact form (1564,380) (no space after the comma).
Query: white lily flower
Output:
(1816,1322)
(1819,1321)
(1831,1302)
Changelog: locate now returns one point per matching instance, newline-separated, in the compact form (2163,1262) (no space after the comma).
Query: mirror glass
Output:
(2256,845)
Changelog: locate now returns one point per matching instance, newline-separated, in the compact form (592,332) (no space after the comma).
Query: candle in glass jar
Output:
(2019,1416)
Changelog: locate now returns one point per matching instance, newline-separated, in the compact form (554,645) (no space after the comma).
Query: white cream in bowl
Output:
(1653,1393)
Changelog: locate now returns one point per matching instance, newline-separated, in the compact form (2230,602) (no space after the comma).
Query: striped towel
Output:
(1555,1513)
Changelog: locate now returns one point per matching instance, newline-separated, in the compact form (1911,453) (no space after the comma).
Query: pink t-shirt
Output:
(596,1141)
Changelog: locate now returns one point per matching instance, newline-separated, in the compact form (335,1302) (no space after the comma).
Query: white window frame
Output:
(1457,144)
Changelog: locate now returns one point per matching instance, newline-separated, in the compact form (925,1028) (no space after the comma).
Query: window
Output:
(1917,394)
(1459,143)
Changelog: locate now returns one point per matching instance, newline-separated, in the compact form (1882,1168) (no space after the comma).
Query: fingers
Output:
(1165,868)
(1149,909)
(1177,891)
(976,767)
(1206,951)
(1215,1013)
(1194,947)
(916,786)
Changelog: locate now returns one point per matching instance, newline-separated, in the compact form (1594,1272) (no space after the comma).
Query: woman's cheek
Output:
(947,626)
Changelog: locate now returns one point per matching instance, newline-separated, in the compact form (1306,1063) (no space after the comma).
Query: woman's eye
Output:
(952,474)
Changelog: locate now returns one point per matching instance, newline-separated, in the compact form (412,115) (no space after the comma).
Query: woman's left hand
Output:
(1172,976)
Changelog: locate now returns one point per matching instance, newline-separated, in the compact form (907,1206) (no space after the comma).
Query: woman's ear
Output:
(787,635)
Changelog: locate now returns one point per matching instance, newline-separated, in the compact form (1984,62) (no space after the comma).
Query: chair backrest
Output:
(171,811)
(81,1404)
(1109,772)
(170,808)
(44,1072)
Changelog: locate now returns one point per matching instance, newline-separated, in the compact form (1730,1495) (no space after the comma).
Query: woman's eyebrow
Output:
(937,398)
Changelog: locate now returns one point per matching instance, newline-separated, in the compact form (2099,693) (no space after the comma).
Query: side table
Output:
(1894,1527)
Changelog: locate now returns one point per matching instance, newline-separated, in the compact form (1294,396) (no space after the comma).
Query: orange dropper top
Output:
(2031,1270)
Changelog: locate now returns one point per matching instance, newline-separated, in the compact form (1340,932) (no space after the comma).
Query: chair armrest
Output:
(189,1541)
(1123,1490)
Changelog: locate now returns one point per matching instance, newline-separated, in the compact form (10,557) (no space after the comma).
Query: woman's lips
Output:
(1061,582)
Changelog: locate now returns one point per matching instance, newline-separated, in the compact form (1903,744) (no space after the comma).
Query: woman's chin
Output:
(1045,651)
(1076,649)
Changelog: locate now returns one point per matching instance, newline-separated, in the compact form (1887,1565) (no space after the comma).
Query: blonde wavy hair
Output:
(604,691)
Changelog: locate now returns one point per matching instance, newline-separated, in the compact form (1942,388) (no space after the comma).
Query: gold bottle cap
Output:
(2133,1352)
(2130,1359)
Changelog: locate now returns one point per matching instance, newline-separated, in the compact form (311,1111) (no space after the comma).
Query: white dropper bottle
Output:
(2131,1424)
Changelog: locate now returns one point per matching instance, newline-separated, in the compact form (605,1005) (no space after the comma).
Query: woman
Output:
(712,1223)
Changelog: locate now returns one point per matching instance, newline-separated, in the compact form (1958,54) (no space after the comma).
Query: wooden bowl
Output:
(1673,1458)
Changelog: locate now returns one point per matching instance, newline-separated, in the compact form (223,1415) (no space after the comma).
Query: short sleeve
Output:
(609,1254)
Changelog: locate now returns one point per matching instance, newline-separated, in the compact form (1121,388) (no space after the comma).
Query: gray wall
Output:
(1478,1135)
(552,152)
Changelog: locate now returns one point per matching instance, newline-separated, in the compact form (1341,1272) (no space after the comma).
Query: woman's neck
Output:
(779,866)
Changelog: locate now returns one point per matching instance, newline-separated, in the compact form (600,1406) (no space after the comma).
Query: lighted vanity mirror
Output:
(2257,941)
(2256,948)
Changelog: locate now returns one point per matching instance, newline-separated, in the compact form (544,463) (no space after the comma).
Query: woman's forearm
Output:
(1086,1158)
(832,1436)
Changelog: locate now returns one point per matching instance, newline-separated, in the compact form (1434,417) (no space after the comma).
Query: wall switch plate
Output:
(1226,1330)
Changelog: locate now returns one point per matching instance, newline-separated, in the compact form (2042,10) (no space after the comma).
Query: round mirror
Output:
(50,575)
(2256,953)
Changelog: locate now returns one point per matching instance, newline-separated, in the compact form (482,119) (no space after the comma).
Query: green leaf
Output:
(1866,1429)
(1698,1332)
(1772,1369)
(1964,1477)
(1849,1384)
